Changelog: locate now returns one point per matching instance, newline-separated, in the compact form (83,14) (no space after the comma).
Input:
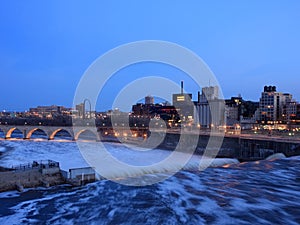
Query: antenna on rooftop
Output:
(181,87)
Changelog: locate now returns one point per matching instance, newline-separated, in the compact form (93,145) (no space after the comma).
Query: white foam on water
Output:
(21,212)
(69,156)
(294,158)
(66,153)
(276,156)
(2,149)
(187,194)
(9,194)
(214,196)
(143,162)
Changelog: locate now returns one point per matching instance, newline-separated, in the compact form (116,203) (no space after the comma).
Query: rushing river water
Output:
(262,192)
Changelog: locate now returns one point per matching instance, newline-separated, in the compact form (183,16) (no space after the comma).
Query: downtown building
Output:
(210,109)
(164,111)
(275,107)
(240,112)
(184,105)
(49,111)
(182,109)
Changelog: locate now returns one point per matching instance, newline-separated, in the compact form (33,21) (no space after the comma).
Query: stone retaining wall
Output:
(28,179)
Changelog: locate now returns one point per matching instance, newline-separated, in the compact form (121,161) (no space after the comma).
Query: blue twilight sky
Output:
(45,46)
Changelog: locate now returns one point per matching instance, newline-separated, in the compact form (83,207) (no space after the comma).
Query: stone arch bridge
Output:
(50,131)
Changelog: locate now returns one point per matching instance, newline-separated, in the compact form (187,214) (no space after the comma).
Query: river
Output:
(261,192)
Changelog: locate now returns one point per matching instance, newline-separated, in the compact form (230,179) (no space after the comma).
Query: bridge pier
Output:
(25,134)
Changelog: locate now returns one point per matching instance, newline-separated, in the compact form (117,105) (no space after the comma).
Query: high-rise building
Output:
(290,111)
(272,105)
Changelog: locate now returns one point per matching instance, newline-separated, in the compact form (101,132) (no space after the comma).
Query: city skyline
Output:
(46,47)
(157,100)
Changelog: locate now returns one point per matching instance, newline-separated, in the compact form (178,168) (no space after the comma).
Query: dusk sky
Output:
(46,46)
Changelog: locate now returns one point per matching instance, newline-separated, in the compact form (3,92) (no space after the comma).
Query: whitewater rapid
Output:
(69,156)
(264,193)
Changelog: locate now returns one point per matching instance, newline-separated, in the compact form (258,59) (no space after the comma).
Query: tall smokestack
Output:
(198,96)
(181,87)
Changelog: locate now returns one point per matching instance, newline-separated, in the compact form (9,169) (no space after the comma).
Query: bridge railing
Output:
(42,164)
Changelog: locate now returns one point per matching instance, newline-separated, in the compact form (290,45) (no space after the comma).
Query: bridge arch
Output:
(28,135)
(11,130)
(76,136)
(52,135)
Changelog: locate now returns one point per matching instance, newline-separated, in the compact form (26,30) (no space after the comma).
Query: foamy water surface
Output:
(264,192)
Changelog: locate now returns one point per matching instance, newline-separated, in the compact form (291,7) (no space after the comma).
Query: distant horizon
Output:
(156,101)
